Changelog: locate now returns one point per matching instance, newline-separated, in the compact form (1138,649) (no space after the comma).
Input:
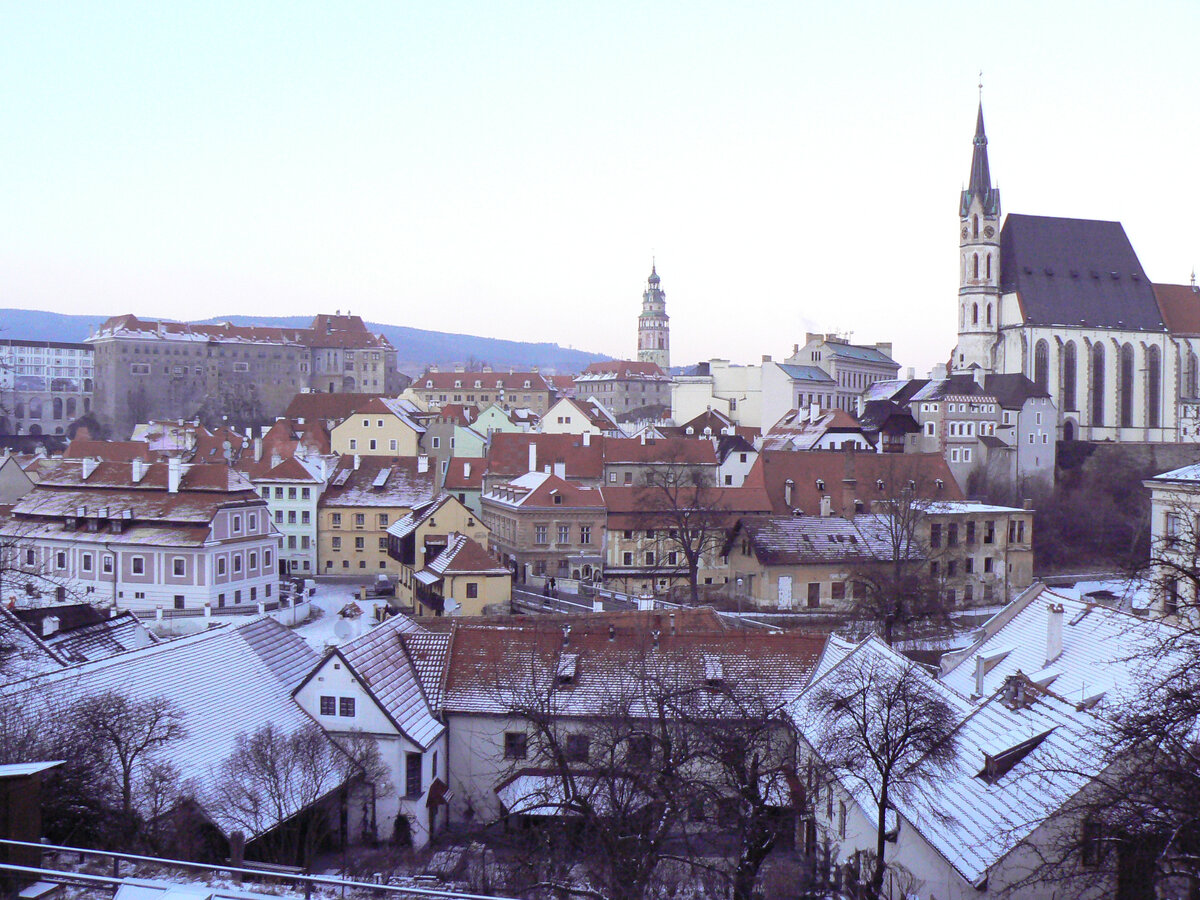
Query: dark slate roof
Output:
(954,386)
(1011,391)
(899,391)
(981,176)
(878,413)
(1076,272)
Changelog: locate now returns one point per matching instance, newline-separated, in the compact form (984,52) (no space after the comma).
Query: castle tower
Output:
(654,325)
(979,263)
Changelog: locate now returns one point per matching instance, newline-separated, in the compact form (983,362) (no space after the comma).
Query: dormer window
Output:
(820,484)
(568,669)
(879,484)
(478,383)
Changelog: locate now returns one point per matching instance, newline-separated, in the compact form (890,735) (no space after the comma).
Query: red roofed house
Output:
(379,427)
(627,388)
(512,454)
(544,525)
(420,537)
(137,535)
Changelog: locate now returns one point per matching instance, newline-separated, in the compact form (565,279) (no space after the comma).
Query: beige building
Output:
(464,580)
(418,538)
(509,390)
(381,427)
(544,525)
(366,495)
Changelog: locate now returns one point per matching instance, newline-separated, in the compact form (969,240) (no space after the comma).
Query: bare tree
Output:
(894,587)
(681,504)
(275,784)
(131,731)
(879,726)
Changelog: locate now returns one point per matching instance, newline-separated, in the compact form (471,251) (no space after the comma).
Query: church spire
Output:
(981,174)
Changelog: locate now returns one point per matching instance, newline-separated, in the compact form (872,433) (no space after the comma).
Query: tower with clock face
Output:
(979,264)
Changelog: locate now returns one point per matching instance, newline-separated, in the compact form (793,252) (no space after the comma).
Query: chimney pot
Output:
(1054,633)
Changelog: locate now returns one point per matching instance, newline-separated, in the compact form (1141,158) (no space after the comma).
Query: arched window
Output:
(976,267)
(1153,387)
(974,313)
(989,266)
(989,314)
(975,226)
(72,407)
(19,409)
(87,385)
(1097,384)
(1125,386)
(1066,390)
(1189,385)
(57,407)
(1041,365)
(35,409)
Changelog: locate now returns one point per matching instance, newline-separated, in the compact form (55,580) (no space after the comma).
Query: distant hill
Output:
(415,347)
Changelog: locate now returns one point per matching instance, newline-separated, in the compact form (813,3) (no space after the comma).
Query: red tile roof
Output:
(774,468)
(465,556)
(537,490)
(511,381)
(508,455)
(349,331)
(317,407)
(625,368)
(464,474)
(1180,307)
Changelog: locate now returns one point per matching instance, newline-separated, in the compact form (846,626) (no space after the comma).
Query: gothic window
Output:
(1097,384)
(976,267)
(1066,389)
(975,232)
(1125,386)
(1041,365)
(57,406)
(989,314)
(1191,374)
(1153,387)
(989,265)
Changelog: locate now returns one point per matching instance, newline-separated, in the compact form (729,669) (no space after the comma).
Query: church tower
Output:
(654,325)
(979,263)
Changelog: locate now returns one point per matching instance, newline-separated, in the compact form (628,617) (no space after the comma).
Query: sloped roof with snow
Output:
(225,682)
(380,660)
(23,653)
(465,556)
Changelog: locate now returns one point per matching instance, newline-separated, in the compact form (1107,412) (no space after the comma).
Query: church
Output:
(1067,303)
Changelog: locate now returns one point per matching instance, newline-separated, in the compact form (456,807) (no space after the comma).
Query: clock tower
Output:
(654,325)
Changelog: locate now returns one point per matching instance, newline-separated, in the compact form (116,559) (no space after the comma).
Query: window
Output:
(336,520)
(392,445)
(305,494)
(564,534)
(178,566)
(221,565)
(346,707)
(253,564)
(472,590)
(988,564)
(138,565)
(516,745)
(360,543)
(336,543)
(842,819)
(935,535)
(952,535)
(578,746)
(353,444)
(437,442)
(237,524)
(412,774)
(541,534)
(627,558)
(585,534)
(360,520)
(371,445)
(86,562)
(237,562)
(383,520)
(649,557)
(179,601)
(328,706)
(970,532)
(989,531)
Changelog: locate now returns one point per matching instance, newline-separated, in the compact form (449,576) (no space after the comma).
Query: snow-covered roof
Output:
(224,682)
(381,663)
(1103,649)
(23,653)
(102,639)
(970,820)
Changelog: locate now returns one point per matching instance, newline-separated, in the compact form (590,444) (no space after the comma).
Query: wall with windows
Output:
(374,435)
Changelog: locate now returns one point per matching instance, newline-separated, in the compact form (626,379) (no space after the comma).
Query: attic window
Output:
(568,669)
(940,484)
(879,483)
(820,484)
(714,672)
(996,767)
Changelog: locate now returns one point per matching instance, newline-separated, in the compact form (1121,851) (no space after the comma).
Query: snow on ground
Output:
(325,626)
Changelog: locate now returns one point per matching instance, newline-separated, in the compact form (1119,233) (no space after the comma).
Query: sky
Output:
(510,169)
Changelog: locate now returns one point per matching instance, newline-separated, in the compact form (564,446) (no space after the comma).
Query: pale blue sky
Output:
(509,168)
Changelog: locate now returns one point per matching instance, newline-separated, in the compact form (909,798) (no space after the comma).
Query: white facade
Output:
(736,391)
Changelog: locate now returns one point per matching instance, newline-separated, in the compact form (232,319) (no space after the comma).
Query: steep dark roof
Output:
(1076,272)
(1011,391)
(1180,306)
(876,414)
(981,176)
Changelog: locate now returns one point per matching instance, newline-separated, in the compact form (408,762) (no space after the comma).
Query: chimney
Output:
(672,623)
(766,357)
(533,456)
(814,412)
(138,470)
(980,671)
(787,493)
(849,490)
(276,459)
(1054,633)
(826,506)
(560,470)
(587,439)
(910,373)
(884,347)
(422,464)
(357,461)
(89,466)
(643,437)
(174,473)
(49,625)
(795,349)
(257,449)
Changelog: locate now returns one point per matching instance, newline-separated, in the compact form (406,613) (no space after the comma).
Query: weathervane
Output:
(981,85)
